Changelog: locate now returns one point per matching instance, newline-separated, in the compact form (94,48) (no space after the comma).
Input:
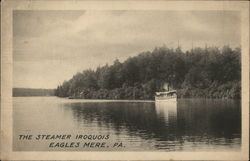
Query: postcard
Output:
(124,80)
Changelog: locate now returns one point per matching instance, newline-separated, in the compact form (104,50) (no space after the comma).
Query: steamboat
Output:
(168,96)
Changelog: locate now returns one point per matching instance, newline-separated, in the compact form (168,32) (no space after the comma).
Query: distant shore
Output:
(28,92)
(228,91)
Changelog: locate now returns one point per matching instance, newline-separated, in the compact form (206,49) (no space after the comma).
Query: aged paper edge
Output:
(6,77)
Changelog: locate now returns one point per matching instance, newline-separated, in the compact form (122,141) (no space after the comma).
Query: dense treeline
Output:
(23,92)
(201,72)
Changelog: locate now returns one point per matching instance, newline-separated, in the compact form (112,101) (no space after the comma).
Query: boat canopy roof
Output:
(168,92)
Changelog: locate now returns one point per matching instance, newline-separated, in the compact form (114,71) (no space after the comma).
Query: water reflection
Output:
(188,121)
(167,111)
(191,124)
(135,117)
(209,118)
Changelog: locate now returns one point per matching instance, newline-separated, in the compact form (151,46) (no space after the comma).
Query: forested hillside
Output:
(201,72)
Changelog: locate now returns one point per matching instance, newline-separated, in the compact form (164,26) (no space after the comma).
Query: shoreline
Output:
(136,100)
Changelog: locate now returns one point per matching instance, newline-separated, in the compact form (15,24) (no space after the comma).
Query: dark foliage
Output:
(208,72)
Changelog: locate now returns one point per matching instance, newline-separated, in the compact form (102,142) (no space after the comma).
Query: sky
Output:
(51,46)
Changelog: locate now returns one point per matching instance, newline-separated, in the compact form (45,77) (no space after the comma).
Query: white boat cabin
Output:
(166,96)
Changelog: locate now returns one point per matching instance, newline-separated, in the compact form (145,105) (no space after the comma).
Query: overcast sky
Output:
(52,46)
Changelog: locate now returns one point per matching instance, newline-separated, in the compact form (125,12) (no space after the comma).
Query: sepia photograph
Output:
(120,79)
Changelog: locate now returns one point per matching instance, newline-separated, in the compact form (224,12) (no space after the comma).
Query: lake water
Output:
(188,125)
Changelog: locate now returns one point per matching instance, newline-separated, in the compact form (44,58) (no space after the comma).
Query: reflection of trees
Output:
(137,118)
(197,121)
(209,119)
